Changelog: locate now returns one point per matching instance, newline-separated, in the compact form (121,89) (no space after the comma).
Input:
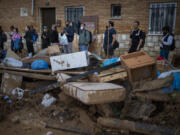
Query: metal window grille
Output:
(74,14)
(160,15)
(116,11)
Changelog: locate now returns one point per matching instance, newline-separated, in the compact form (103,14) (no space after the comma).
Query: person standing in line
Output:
(54,36)
(17,40)
(69,31)
(29,42)
(166,42)
(3,38)
(84,38)
(11,34)
(109,39)
(136,38)
(45,38)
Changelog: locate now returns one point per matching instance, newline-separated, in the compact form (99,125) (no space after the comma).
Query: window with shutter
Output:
(160,15)
(74,14)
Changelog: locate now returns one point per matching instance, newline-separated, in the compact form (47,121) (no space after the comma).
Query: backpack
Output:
(173,46)
(90,34)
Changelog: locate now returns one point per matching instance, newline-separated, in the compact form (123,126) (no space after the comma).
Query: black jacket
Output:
(54,37)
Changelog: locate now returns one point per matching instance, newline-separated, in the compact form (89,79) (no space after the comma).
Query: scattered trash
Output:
(39,64)
(111,61)
(19,92)
(48,100)
(11,62)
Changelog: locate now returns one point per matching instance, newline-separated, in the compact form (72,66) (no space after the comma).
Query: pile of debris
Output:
(84,94)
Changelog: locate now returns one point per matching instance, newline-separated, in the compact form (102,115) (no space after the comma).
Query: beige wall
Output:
(131,10)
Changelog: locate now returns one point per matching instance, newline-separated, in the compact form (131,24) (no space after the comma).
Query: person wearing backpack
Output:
(17,39)
(69,31)
(29,42)
(84,38)
(110,42)
(137,38)
(167,42)
(3,38)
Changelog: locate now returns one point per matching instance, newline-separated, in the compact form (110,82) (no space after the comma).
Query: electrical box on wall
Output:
(58,23)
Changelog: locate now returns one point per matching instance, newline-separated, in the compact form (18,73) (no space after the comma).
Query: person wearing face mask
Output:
(137,38)
(45,38)
(69,31)
(29,42)
(54,36)
(165,42)
(84,38)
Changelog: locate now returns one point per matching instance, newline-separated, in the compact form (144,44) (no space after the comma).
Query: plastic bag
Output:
(39,64)
(47,100)
(176,81)
(63,40)
(11,62)
(110,61)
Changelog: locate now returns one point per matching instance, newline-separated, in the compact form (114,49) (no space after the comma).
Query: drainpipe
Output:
(32,8)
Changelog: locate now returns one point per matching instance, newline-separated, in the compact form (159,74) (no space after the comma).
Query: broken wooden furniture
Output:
(140,66)
(109,75)
(95,93)
(69,61)
(137,127)
(86,74)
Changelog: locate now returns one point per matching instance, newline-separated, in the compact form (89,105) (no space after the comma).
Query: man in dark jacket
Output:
(29,42)
(45,38)
(54,37)
(3,38)
(69,31)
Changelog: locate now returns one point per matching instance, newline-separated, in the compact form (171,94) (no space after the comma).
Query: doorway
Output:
(48,17)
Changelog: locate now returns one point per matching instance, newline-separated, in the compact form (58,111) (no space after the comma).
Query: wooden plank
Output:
(30,60)
(30,75)
(122,75)
(137,127)
(108,77)
(45,71)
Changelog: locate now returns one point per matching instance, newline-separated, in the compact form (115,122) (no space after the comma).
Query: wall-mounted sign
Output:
(23,12)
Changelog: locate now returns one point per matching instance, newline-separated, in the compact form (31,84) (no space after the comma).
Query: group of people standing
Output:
(16,39)
(137,40)
(66,37)
(51,37)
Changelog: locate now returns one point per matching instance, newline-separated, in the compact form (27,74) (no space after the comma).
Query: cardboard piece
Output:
(69,61)
(54,49)
(95,93)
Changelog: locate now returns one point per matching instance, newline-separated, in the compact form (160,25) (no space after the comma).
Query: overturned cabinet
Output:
(140,66)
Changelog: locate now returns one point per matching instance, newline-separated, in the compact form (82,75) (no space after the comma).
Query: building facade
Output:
(152,14)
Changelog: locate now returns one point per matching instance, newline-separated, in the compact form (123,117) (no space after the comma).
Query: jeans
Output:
(67,48)
(164,53)
(83,48)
